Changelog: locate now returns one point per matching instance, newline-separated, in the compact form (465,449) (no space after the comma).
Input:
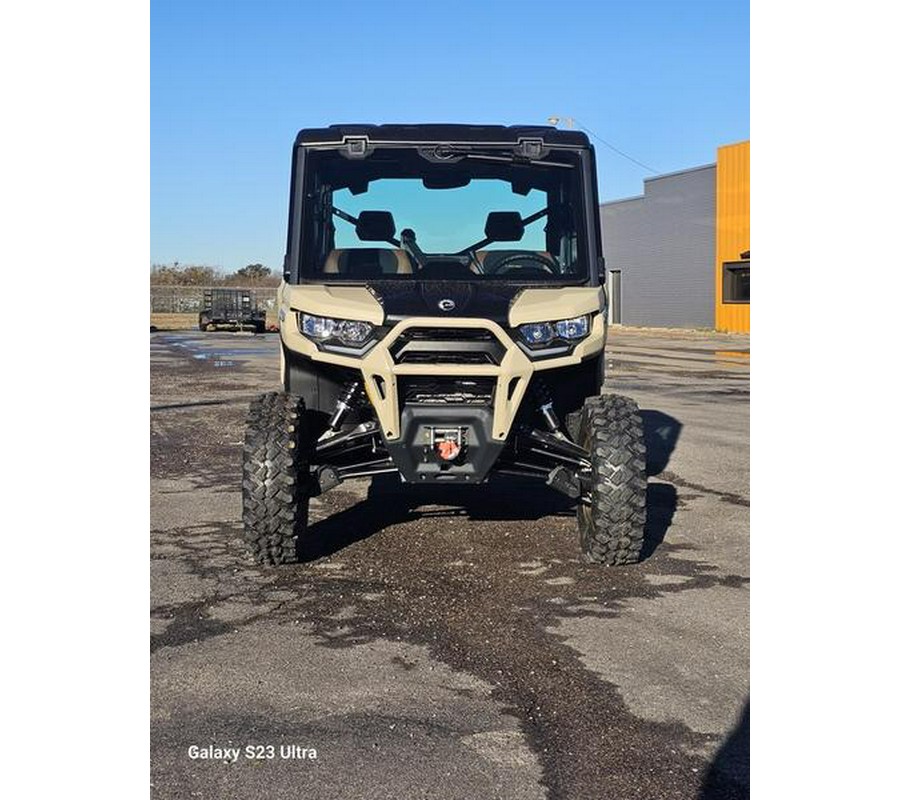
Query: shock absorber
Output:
(345,402)
(545,404)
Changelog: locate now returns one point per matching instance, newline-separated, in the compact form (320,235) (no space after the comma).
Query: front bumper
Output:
(416,455)
(382,372)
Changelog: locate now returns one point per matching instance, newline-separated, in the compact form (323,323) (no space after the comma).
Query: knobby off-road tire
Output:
(612,528)
(276,481)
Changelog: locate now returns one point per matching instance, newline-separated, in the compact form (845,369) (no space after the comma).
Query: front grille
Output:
(450,334)
(447,346)
(431,391)
(429,357)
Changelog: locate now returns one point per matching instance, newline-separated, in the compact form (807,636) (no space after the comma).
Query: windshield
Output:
(443,213)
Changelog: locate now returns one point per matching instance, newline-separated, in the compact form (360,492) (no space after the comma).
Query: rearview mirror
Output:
(448,180)
(504,226)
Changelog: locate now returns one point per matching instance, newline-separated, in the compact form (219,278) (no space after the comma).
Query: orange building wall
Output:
(732,227)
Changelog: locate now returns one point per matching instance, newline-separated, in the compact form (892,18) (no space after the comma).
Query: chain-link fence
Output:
(189,299)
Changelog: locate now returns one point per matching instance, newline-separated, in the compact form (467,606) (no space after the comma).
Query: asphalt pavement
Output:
(448,642)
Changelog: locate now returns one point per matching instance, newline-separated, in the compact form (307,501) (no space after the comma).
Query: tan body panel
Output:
(547,305)
(380,372)
(341,302)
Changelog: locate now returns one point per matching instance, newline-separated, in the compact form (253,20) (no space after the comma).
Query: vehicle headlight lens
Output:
(352,332)
(575,328)
(543,332)
(317,327)
(537,332)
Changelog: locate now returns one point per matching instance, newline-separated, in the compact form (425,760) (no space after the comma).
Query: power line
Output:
(571,121)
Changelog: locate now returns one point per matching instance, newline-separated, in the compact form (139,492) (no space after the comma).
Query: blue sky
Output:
(233,82)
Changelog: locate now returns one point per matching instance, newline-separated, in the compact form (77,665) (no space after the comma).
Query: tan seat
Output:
(367,262)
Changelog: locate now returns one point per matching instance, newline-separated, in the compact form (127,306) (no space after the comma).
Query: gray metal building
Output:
(660,251)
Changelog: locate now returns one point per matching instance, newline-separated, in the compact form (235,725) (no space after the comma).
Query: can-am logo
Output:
(446,304)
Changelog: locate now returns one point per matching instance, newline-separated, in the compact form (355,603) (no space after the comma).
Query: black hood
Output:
(402,299)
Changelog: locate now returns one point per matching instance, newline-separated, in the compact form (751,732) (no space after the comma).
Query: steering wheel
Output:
(545,263)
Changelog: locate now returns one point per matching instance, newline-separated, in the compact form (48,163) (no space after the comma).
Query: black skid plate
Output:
(417,454)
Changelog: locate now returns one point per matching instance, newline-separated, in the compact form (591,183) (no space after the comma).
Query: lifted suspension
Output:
(545,405)
(345,403)
(570,464)
(335,444)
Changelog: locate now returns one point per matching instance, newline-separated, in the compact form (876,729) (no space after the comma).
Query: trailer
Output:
(232,308)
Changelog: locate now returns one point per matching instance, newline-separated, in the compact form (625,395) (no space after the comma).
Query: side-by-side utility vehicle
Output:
(443,317)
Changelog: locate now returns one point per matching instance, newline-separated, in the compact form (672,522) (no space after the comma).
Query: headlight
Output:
(568,329)
(320,328)
(351,332)
(576,328)
(537,332)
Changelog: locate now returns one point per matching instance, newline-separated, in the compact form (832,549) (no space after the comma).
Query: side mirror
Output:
(504,226)
(286,268)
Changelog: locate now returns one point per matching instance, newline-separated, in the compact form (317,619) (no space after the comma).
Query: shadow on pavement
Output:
(662,500)
(390,503)
(728,777)
(503,500)
(661,433)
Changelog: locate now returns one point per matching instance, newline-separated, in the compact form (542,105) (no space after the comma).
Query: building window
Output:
(736,282)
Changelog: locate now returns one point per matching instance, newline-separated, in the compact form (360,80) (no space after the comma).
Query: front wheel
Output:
(276,479)
(611,529)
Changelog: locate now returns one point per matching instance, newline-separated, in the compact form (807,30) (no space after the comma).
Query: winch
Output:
(447,443)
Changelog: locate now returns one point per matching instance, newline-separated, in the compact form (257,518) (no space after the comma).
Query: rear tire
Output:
(276,479)
(611,529)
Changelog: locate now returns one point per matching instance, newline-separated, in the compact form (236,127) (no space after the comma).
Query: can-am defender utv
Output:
(470,343)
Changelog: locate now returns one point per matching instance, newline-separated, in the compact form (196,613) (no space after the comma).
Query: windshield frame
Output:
(593,274)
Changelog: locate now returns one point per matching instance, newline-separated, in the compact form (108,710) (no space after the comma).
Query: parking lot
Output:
(448,642)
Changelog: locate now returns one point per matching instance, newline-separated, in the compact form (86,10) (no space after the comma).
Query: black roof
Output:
(443,133)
